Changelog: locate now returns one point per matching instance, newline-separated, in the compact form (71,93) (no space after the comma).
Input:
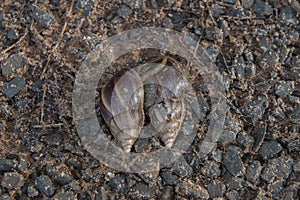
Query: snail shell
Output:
(122,107)
(169,109)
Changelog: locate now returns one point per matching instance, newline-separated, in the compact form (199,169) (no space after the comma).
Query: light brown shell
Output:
(122,107)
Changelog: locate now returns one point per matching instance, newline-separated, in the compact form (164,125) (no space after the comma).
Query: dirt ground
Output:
(254,44)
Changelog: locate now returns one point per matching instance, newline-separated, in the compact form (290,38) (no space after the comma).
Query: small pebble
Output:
(43,18)
(270,149)
(247,3)
(169,178)
(12,180)
(233,161)
(12,64)
(6,165)
(124,11)
(14,87)
(253,172)
(45,185)
(216,189)
(86,6)
(262,8)
(189,189)
(32,191)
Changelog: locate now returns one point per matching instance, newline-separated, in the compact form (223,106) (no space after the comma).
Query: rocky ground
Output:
(255,45)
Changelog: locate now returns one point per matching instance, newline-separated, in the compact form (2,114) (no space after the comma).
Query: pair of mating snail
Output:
(123,101)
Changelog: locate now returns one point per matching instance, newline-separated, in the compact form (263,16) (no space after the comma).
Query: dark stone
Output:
(268,174)
(216,189)
(276,188)
(284,88)
(74,185)
(12,180)
(145,191)
(11,64)
(23,163)
(6,165)
(53,138)
(12,34)
(288,15)
(44,185)
(233,195)
(121,184)
(5,197)
(250,70)
(124,12)
(21,104)
(233,161)
(253,172)
(62,176)
(67,195)
(229,1)
(217,10)
(270,149)
(244,139)
(213,33)
(14,86)
(211,169)
(136,4)
(259,137)
(295,116)
(262,8)
(235,183)
(278,167)
(297,166)
(86,6)
(247,3)
(43,18)
(32,191)
(167,193)
(55,2)
(2,128)
(282,166)
(230,130)
(189,189)
(169,178)
(255,108)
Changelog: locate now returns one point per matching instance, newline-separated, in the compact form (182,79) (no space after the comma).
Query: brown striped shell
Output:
(122,107)
(169,110)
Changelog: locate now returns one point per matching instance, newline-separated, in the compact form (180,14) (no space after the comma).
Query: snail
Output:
(123,96)
(122,109)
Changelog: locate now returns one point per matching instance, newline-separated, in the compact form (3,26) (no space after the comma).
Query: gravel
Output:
(255,47)
(254,171)
(216,189)
(12,180)
(43,18)
(6,165)
(270,149)
(13,87)
(45,185)
(12,64)
(191,190)
(233,161)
